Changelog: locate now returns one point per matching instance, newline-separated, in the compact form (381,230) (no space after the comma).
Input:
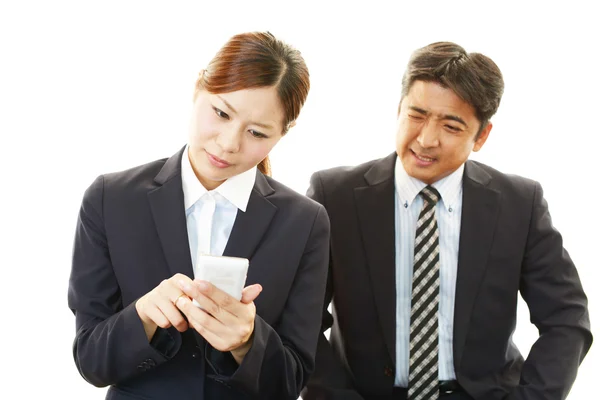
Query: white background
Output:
(88,87)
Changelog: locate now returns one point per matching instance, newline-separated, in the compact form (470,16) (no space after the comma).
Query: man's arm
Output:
(330,380)
(558,306)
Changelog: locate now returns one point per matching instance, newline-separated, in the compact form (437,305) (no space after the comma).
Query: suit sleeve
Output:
(281,358)
(110,344)
(330,380)
(553,292)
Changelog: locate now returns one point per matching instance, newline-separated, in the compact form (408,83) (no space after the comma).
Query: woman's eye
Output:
(220,113)
(257,134)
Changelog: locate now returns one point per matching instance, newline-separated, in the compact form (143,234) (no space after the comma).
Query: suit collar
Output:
(168,210)
(235,190)
(167,205)
(171,168)
(385,169)
(408,188)
(262,185)
(476,174)
(252,225)
(375,206)
(382,170)
(481,205)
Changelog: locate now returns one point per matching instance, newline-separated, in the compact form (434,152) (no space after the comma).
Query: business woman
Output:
(139,232)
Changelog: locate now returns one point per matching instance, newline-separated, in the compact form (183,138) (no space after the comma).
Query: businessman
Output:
(429,252)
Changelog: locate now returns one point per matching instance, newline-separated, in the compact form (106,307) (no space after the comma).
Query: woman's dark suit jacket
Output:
(131,234)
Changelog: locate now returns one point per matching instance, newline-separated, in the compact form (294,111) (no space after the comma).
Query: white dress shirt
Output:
(210,214)
(448,212)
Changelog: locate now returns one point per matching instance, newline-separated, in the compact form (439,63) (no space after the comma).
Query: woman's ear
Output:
(287,127)
(198,85)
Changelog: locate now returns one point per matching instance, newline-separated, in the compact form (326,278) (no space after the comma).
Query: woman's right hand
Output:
(157,307)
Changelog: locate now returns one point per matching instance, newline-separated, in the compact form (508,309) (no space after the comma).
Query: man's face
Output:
(436,132)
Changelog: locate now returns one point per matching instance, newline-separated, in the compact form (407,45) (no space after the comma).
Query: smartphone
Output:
(226,273)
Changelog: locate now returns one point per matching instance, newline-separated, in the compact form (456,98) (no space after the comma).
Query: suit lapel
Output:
(166,203)
(376,208)
(478,223)
(250,226)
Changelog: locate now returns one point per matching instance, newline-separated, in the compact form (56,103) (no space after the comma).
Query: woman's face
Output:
(232,132)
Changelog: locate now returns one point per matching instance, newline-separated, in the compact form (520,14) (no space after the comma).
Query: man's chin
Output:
(420,174)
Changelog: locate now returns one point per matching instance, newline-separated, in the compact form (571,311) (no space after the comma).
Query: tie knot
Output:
(430,194)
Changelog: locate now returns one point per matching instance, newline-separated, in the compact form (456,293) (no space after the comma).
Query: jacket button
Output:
(387,371)
(195,355)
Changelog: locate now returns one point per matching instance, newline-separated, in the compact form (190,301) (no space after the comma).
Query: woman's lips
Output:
(216,161)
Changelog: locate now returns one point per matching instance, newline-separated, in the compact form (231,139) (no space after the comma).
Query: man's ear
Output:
(483,136)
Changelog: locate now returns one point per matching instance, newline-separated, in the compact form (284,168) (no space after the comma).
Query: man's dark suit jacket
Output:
(507,245)
(131,234)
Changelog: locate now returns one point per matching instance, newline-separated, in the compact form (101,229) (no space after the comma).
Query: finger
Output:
(250,293)
(170,288)
(196,316)
(177,278)
(167,294)
(216,341)
(226,339)
(220,298)
(172,313)
(216,311)
(221,337)
(156,315)
(188,287)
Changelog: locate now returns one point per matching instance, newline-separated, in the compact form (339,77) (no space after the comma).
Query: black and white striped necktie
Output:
(423,381)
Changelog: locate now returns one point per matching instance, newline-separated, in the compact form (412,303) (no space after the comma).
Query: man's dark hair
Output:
(475,78)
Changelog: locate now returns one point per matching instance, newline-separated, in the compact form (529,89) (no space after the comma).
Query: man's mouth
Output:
(423,158)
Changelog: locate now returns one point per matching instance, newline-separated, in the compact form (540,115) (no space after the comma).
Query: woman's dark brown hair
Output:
(255,60)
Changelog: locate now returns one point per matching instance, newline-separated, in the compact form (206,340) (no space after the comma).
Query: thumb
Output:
(250,293)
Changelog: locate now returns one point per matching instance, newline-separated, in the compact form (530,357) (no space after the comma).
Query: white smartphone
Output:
(226,273)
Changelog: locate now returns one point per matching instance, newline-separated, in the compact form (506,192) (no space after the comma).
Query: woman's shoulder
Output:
(137,174)
(285,196)
(296,210)
(138,179)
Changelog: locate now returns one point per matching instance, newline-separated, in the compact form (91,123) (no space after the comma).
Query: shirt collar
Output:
(236,189)
(408,188)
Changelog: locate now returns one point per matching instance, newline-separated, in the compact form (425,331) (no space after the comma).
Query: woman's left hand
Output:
(226,323)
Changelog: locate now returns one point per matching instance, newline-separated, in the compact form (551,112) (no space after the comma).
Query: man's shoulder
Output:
(504,181)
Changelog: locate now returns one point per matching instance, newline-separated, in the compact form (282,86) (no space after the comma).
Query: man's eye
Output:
(453,128)
(416,117)
(220,113)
